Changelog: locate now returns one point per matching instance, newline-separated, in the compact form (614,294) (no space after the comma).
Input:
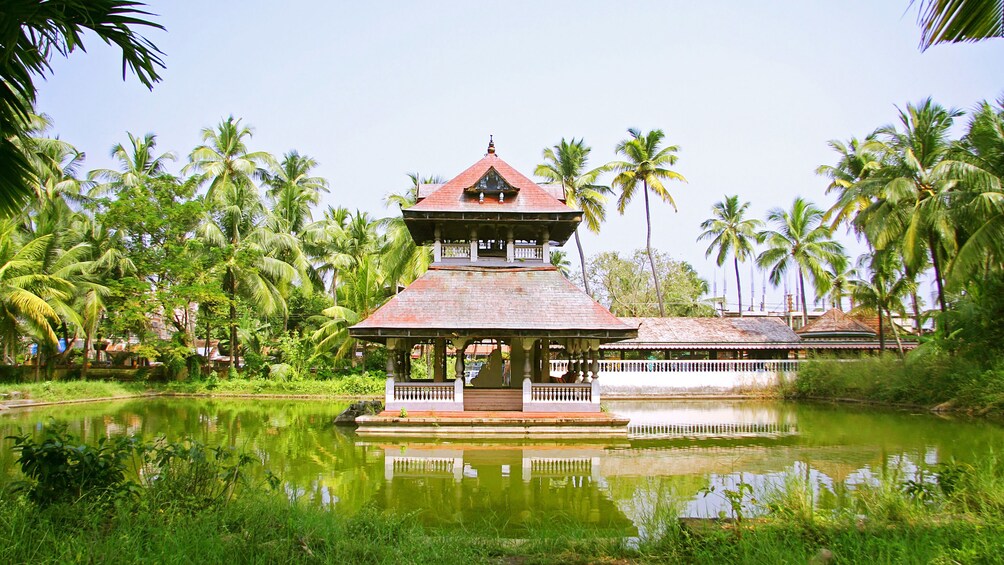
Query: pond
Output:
(679,450)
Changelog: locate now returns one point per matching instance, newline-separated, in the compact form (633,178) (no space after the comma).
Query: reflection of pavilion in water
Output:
(510,488)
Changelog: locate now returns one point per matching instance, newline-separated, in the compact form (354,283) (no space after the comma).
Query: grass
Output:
(924,380)
(54,391)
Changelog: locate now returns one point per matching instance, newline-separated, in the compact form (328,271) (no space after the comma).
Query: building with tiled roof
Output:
(491,229)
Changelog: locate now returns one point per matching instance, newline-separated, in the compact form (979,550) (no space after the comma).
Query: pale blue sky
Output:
(750,91)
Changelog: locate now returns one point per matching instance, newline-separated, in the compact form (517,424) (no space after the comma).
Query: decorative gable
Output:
(491,185)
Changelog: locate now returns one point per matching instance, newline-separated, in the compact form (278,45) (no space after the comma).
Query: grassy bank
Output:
(54,391)
(267,530)
(926,380)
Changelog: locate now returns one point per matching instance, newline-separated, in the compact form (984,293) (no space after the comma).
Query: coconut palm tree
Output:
(34,31)
(731,232)
(799,240)
(223,158)
(917,196)
(25,289)
(560,260)
(883,293)
(294,192)
(979,166)
(648,164)
(566,163)
(954,21)
(849,179)
(138,162)
(401,260)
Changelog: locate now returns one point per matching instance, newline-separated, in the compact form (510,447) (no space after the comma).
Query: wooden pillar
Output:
(439,360)
(546,247)
(437,247)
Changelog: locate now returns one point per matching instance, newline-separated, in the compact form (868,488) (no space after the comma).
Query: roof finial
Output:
(491,145)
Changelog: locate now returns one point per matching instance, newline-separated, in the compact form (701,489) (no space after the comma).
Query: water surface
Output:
(612,487)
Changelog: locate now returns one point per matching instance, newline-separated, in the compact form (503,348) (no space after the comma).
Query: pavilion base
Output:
(507,425)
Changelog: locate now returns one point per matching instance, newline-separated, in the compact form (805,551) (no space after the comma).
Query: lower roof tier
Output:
(492,301)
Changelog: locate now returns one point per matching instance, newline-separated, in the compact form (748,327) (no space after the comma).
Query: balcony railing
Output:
(559,367)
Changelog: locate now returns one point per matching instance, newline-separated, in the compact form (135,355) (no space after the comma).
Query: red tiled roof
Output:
(483,300)
(834,322)
(450,197)
(683,333)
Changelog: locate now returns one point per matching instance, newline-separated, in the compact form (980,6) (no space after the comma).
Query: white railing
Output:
(424,392)
(580,466)
(444,397)
(557,393)
(697,366)
(531,252)
(655,430)
(456,250)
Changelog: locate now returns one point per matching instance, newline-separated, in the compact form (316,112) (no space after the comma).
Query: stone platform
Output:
(508,425)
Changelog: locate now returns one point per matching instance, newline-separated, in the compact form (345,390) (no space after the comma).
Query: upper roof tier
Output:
(490,193)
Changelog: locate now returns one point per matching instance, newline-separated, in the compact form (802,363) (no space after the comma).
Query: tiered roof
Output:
(496,302)
(834,323)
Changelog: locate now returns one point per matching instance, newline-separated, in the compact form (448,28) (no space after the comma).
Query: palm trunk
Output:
(739,288)
(937,274)
(895,333)
(87,353)
(582,262)
(801,291)
(648,248)
(881,333)
(232,288)
(916,310)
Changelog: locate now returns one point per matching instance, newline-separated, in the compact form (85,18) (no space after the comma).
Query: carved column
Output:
(437,247)
(474,245)
(510,248)
(546,247)
(459,344)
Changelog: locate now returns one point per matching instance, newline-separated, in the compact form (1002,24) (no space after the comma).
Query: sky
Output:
(750,92)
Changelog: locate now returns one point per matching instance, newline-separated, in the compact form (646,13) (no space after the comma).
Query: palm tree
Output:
(33,32)
(137,164)
(560,260)
(234,224)
(914,207)
(979,166)
(883,293)
(361,292)
(647,163)
(849,178)
(731,232)
(224,160)
(953,21)
(402,260)
(294,191)
(836,282)
(800,241)
(565,163)
(25,288)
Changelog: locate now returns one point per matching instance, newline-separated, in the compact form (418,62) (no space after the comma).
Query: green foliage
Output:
(622,285)
(59,470)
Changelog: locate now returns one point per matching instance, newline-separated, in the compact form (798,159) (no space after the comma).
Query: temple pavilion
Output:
(491,230)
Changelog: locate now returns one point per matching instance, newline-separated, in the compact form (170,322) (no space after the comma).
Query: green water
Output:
(613,487)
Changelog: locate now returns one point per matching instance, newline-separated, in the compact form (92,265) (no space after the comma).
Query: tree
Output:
(24,287)
(979,166)
(730,232)
(402,260)
(294,192)
(954,21)
(234,223)
(622,285)
(913,208)
(800,241)
(883,293)
(31,31)
(848,178)
(565,163)
(137,164)
(559,259)
(647,163)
